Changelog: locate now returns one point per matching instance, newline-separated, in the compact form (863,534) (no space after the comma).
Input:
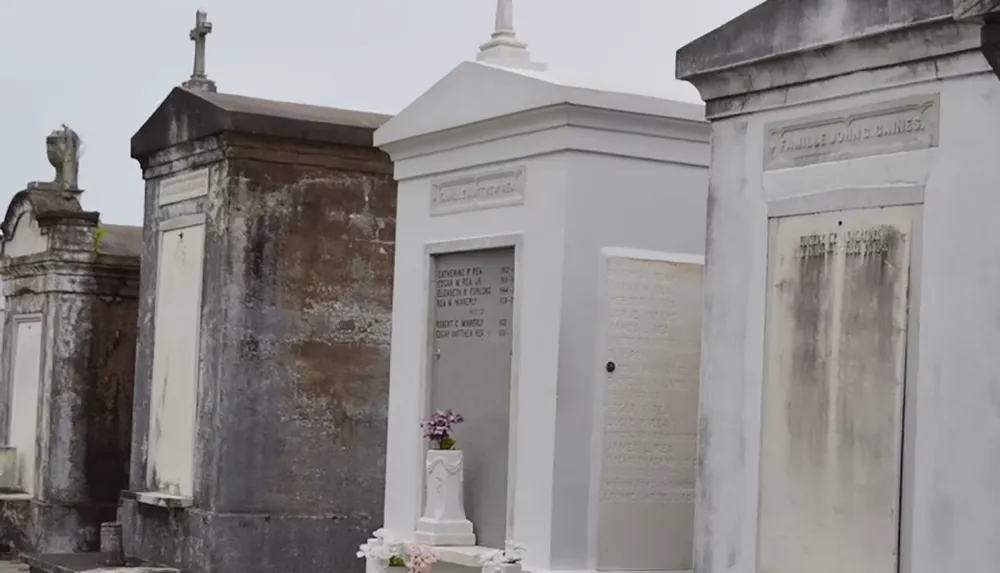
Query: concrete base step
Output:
(84,562)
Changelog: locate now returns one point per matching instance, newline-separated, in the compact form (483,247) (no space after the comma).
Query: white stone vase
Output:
(444,522)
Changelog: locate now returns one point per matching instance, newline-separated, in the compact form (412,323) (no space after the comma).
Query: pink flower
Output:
(422,559)
(438,425)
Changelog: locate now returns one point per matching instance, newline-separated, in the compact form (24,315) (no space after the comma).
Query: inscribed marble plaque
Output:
(173,398)
(832,417)
(646,511)
(888,127)
(485,190)
(183,187)
(25,393)
(473,294)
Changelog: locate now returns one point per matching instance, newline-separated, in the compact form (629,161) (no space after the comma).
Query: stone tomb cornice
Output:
(553,129)
(71,272)
(732,91)
(184,156)
(478,103)
(777,28)
(231,146)
(782,45)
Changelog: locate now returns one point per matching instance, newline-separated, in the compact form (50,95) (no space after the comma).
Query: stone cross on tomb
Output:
(199,35)
(503,48)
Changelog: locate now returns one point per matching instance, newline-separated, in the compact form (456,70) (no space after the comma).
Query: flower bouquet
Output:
(386,554)
(506,561)
(421,559)
(438,426)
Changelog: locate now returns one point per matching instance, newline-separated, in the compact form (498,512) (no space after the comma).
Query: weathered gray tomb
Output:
(850,406)
(262,368)
(70,287)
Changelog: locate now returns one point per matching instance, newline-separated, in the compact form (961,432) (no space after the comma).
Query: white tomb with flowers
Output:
(548,288)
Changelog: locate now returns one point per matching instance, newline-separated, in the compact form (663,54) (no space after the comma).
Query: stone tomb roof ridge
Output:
(188,114)
(253,105)
(121,240)
(480,91)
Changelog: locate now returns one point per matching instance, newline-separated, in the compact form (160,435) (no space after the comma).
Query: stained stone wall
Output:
(289,449)
(80,286)
(832,423)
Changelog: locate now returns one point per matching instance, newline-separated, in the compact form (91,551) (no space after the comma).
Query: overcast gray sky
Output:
(102,66)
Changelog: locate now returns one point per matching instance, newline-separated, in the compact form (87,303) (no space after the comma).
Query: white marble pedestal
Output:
(444,521)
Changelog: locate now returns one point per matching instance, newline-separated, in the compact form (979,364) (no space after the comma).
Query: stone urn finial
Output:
(63,147)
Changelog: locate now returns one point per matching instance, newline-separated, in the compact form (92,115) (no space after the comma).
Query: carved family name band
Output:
(889,127)
(183,187)
(486,190)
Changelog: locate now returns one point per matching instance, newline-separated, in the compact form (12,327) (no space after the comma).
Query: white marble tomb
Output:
(848,385)
(546,230)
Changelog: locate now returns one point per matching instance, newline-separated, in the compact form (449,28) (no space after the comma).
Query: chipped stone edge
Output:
(163,500)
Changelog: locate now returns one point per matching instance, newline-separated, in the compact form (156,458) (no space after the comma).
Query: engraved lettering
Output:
(453,289)
(901,125)
(650,405)
(858,242)
(481,191)
(183,187)
(651,398)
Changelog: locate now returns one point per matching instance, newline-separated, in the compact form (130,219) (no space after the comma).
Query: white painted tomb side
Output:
(493,158)
(26,372)
(173,399)
(948,513)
